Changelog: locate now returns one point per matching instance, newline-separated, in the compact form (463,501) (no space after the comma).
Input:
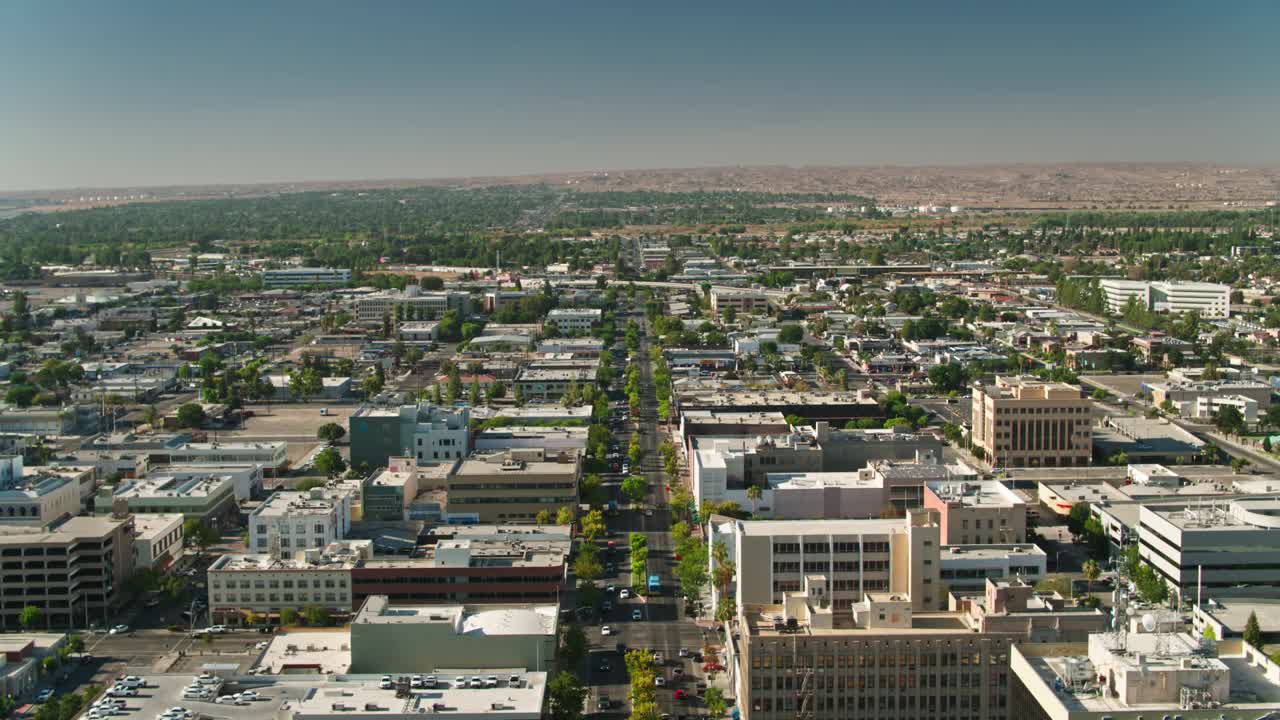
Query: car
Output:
(460,682)
(429,681)
(611,589)
(514,681)
(678,694)
(659,681)
(207,679)
(415,681)
(491,681)
(648,512)
(637,614)
(606,606)
(121,691)
(683,652)
(262,645)
(621,648)
(385,683)
(677,670)
(659,659)
(605,666)
(119,630)
(218,629)
(604,703)
(132,681)
(250,695)
(624,594)
(44,695)
(476,682)
(606,630)
(228,700)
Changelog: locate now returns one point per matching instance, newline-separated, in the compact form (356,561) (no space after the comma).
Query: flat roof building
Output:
(198,497)
(1023,422)
(424,638)
(982,512)
(1227,547)
(426,432)
(965,568)
(296,520)
(303,276)
(266,584)
(514,485)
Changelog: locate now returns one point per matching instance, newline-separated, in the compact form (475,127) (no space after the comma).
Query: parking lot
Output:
(1123,386)
(152,651)
(162,692)
(295,423)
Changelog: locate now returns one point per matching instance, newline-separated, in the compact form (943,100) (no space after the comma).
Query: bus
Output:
(655,585)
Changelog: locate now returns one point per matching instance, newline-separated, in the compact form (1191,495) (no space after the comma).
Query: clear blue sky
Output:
(152,93)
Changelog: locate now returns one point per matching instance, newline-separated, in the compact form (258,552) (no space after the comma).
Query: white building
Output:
(271,455)
(414,304)
(38,500)
(301,276)
(300,520)
(574,321)
(967,567)
(1223,548)
(269,583)
(1210,300)
(1206,407)
(196,496)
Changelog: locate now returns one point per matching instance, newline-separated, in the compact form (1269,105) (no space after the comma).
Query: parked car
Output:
(606,630)
(637,615)
(119,629)
(385,683)
(44,695)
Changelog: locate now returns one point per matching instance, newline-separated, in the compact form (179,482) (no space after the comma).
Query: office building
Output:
(513,486)
(1209,300)
(304,276)
(288,521)
(1184,396)
(966,568)
(743,302)
(1023,422)
(266,584)
(425,638)
(1147,675)
(533,436)
(246,480)
(473,564)
(878,658)
(1227,547)
(551,383)
(428,433)
(411,304)
(574,321)
(197,497)
(1013,606)
(157,540)
(38,499)
(855,556)
(74,571)
(389,492)
(503,699)
(21,661)
(984,512)
(272,455)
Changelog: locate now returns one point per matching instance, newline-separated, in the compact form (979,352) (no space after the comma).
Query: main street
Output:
(662,627)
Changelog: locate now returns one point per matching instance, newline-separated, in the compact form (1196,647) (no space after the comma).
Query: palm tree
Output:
(1092,572)
(753,494)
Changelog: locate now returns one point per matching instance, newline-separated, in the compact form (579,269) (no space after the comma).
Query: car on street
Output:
(218,629)
(605,666)
(119,629)
(659,659)
(678,694)
(624,594)
(606,630)
(606,606)
(637,615)
(250,695)
(133,681)
(604,703)
(683,652)
(677,670)
(44,695)
(660,681)
(385,682)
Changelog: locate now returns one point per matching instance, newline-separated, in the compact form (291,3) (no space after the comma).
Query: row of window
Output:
(823,548)
(948,705)
(281,597)
(874,680)
(301,528)
(926,657)
(302,584)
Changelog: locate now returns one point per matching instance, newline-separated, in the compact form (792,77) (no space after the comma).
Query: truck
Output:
(655,585)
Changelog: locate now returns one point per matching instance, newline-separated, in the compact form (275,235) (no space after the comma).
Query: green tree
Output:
(573,646)
(1252,632)
(473,394)
(1092,571)
(330,432)
(1238,464)
(754,493)
(565,697)
(587,566)
(329,462)
(30,616)
(715,702)
(1228,420)
(305,383)
(592,525)
(591,488)
(543,517)
(564,516)
(200,534)
(790,334)
(635,488)
(289,617)
(191,415)
(315,615)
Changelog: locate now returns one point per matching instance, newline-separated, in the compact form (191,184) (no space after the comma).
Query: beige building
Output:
(157,540)
(1014,607)
(38,500)
(513,486)
(855,557)
(267,584)
(1024,422)
(74,571)
(743,302)
(880,658)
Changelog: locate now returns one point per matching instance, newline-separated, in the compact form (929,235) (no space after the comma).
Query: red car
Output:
(679,694)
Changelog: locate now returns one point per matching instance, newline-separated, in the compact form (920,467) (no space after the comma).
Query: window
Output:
(319,529)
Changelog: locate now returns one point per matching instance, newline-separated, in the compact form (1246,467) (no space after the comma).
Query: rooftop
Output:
(526,619)
(868,526)
(342,555)
(989,552)
(762,621)
(988,493)
(361,699)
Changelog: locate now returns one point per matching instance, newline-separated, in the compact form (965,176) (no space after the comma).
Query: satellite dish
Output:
(1149,622)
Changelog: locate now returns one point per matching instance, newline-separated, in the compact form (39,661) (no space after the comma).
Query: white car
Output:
(415,681)
(659,681)
(637,615)
(119,629)
(132,681)
(122,691)
(218,629)
(228,700)
(624,594)
(250,695)
(606,630)
(385,683)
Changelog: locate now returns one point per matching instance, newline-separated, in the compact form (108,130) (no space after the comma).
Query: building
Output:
(966,568)
(200,497)
(1146,440)
(1185,395)
(76,419)
(74,571)
(821,496)
(742,302)
(266,584)
(587,347)
(157,540)
(516,695)
(879,658)
(1209,300)
(424,638)
(411,304)
(551,383)
(574,321)
(1014,607)
(246,480)
(21,660)
(303,276)
(1227,618)
(38,499)
(473,564)
(813,407)
(1185,545)
(289,521)
(984,512)
(422,331)
(854,556)
(426,432)
(1148,675)
(534,436)
(513,486)
(1206,407)
(1022,422)
(272,455)
(390,493)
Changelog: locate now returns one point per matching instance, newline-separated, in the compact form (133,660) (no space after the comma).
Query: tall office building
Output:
(1024,422)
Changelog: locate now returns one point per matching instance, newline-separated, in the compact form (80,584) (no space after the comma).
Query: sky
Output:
(132,93)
